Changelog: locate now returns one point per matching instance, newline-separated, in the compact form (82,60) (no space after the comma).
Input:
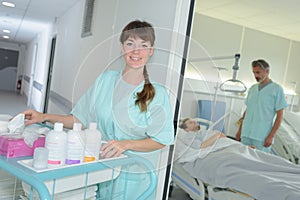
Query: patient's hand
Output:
(253,147)
(222,135)
(210,141)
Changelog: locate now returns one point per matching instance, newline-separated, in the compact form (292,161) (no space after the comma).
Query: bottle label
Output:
(70,162)
(89,158)
(54,162)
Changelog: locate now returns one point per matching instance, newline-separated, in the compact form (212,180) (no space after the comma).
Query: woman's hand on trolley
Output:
(113,148)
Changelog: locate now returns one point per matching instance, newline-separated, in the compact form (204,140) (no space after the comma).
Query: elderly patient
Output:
(223,162)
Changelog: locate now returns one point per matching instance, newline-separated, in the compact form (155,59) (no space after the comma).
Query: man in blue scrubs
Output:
(265,100)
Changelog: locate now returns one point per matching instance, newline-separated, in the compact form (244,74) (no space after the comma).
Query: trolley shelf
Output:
(37,179)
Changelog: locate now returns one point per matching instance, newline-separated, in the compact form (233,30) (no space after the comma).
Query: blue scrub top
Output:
(123,120)
(262,106)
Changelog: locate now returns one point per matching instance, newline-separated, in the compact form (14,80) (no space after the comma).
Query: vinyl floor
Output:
(12,103)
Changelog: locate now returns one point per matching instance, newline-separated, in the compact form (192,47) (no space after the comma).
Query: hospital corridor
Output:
(149,100)
(12,102)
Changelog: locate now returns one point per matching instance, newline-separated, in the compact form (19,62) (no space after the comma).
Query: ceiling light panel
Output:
(8,4)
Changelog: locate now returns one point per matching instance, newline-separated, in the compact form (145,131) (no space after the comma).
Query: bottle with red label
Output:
(56,143)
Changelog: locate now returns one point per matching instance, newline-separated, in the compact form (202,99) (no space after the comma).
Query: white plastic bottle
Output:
(56,143)
(75,145)
(93,143)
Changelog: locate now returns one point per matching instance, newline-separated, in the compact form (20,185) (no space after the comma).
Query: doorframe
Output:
(185,29)
(49,77)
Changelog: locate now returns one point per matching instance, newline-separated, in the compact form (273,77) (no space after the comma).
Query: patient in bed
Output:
(215,159)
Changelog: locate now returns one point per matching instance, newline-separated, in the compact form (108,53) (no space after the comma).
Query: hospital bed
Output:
(197,189)
(286,141)
(192,186)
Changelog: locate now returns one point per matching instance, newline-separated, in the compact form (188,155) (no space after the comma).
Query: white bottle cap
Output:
(77,127)
(93,126)
(58,126)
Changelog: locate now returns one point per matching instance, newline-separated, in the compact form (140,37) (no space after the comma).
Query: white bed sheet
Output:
(261,175)
(196,188)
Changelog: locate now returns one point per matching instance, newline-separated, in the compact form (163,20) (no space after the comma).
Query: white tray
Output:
(76,181)
(28,163)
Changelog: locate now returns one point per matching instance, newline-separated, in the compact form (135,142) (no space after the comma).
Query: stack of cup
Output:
(40,158)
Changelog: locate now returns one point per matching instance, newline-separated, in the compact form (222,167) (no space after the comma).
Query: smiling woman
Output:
(132,113)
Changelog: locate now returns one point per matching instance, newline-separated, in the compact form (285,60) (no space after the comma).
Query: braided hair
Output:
(145,31)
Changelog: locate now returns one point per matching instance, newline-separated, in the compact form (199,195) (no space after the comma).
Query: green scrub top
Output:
(122,120)
(262,106)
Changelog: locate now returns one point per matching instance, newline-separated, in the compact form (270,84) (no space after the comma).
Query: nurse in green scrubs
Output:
(132,112)
(265,105)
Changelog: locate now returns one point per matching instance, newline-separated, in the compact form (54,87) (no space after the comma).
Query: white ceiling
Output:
(29,17)
(278,17)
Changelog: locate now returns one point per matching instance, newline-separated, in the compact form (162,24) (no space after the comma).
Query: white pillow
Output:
(183,152)
(289,138)
(286,131)
(293,119)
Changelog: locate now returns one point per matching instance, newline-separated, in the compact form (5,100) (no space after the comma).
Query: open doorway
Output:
(8,69)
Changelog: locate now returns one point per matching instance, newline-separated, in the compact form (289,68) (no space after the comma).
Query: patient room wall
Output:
(213,39)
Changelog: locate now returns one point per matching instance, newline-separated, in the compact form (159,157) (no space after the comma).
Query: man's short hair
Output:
(261,63)
(182,123)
